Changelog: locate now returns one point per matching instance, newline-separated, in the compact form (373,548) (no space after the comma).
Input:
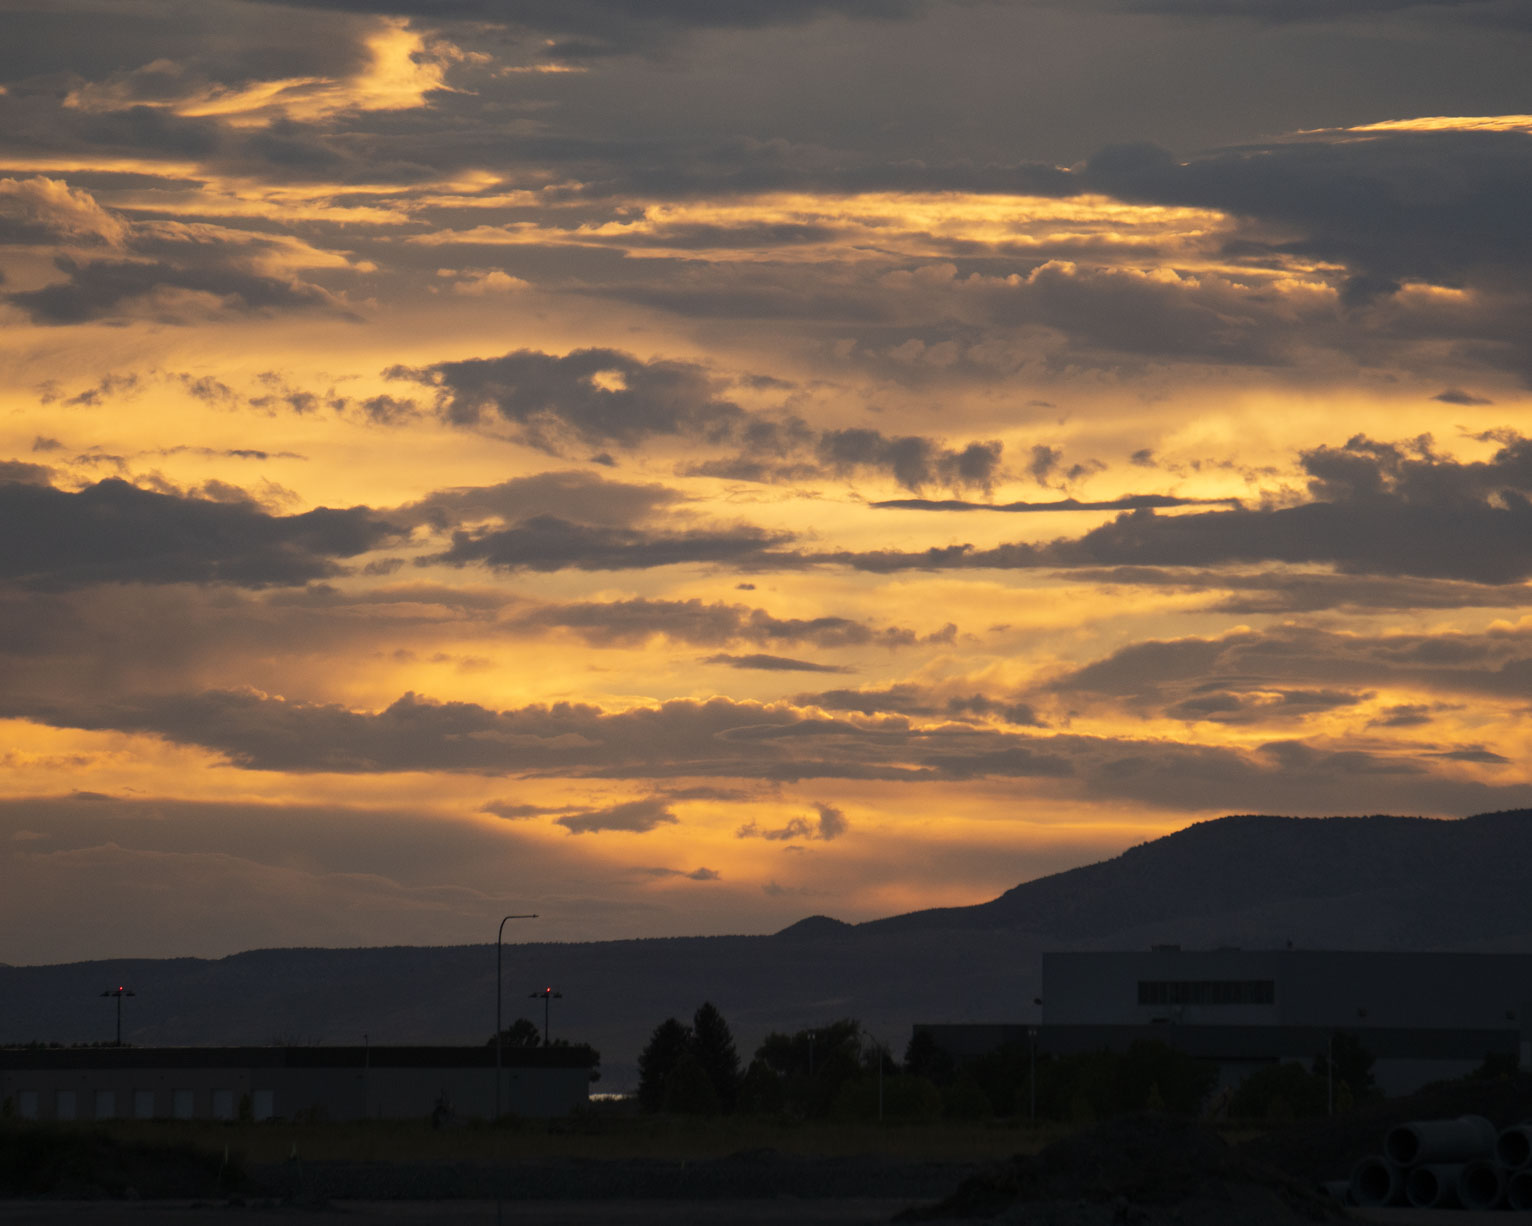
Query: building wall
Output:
(1311,988)
(1423,1016)
(54,1088)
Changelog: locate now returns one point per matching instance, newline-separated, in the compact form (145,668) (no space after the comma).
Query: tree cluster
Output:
(691,1070)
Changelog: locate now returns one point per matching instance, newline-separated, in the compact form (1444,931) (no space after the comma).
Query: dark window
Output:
(1207,991)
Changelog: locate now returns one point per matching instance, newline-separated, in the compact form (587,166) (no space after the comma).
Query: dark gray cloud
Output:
(547,543)
(1495,12)
(102,289)
(1456,395)
(907,699)
(1391,205)
(1309,665)
(633,816)
(696,874)
(583,30)
(1379,508)
(829,824)
(571,495)
(19,472)
(593,398)
(914,462)
(631,622)
(724,739)
(1287,591)
(1129,502)
(774,664)
(114,532)
(589,396)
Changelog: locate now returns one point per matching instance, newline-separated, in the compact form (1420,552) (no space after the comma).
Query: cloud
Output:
(43,210)
(570,495)
(830,824)
(696,874)
(1379,508)
(547,543)
(1307,664)
(584,30)
(632,622)
(1128,502)
(723,739)
(102,289)
(588,396)
(114,532)
(914,462)
(513,812)
(774,664)
(633,816)
(1456,395)
(592,398)
(1361,201)
(19,472)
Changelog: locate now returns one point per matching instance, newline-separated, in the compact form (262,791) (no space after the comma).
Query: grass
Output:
(592,1137)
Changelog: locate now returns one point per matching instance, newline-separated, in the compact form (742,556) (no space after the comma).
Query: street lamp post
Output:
(499,941)
(546,995)
(119,993)
(1032,1064)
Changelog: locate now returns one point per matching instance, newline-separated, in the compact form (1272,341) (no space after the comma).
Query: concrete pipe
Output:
(1518,1190)
(1481,1184)
(1433,1185)
(1376,1181)
(1338,1190)
(1514,1147)
(1460,1140)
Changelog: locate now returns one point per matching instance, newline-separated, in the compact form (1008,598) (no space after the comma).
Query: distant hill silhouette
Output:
(1343,883)
(1439,881)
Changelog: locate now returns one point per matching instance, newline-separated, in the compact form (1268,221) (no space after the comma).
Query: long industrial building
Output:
(262,1083)
(1423,1016)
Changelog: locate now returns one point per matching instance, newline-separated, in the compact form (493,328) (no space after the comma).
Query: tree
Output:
(670,1043)
(1153,1070)
(713,1048)
(689,1090)
(813,1064)
(1353,1065)
(521,1033)
(924,1057)
(1279,1092)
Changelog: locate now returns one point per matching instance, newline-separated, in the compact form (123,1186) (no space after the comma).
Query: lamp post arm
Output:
(499,994)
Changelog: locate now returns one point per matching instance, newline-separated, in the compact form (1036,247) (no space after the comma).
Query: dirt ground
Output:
(781,1211)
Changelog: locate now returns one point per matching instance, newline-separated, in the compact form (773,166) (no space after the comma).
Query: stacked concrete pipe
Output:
(1436,1164)
(1514,1151)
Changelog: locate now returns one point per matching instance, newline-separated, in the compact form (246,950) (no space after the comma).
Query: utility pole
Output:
(547,994)
(119,993)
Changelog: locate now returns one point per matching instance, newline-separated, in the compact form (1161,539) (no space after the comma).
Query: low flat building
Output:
(1422,1016)
(263,1083)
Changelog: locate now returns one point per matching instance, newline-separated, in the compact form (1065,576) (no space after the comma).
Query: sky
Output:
(679,466)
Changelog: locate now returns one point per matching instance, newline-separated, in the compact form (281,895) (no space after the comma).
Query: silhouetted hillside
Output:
(1437,882)
(1344,883)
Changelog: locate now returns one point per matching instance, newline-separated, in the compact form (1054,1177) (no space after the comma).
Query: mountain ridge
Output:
(1256,881)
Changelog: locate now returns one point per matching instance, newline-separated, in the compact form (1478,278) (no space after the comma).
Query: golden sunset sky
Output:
(679,466)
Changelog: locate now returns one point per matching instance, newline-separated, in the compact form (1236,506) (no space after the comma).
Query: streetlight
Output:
(1032,1064)
(547,994)
(499,939)
(881,1054)
(1330,1066)
(119,993)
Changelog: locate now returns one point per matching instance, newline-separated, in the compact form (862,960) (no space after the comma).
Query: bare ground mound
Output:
(1149,1169)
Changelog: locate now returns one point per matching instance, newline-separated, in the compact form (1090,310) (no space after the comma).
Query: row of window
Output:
(145,1104)
(1207,991)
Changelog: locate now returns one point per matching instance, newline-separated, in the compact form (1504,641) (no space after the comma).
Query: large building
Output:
(260,1083)
(1423,1016)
